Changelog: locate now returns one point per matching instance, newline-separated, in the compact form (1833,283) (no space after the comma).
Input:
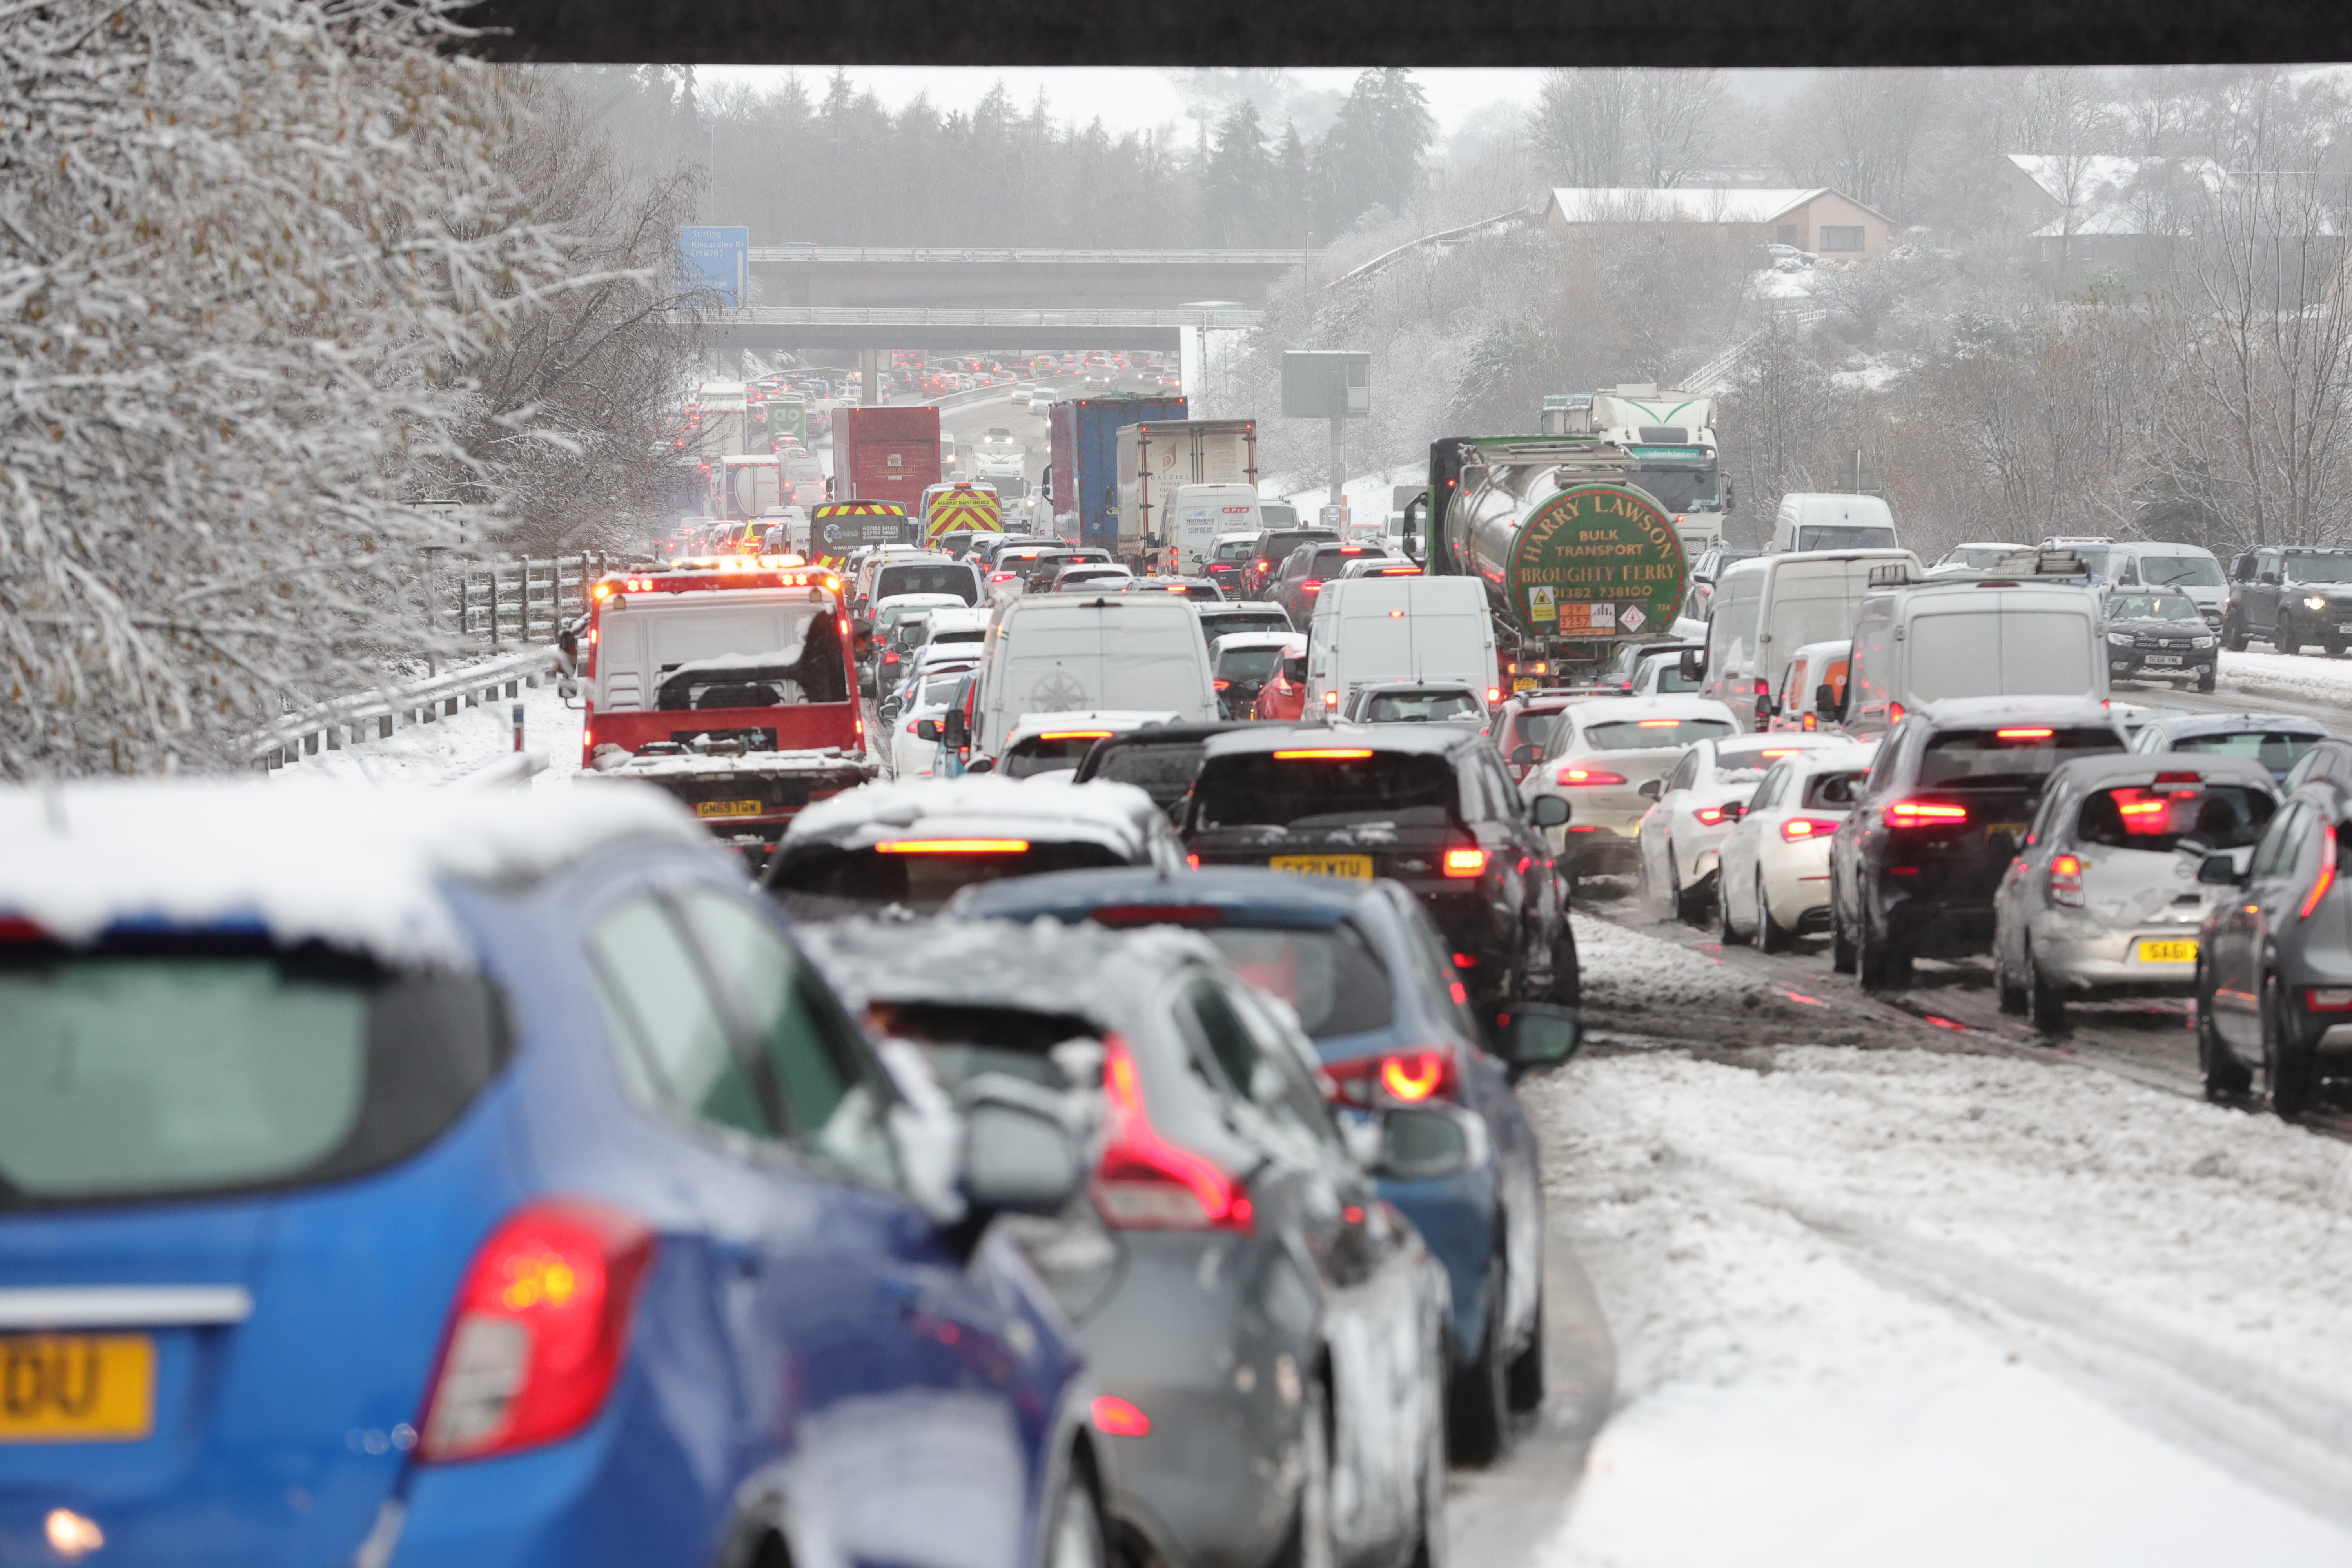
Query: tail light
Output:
(1144,1182)
(1895,712)
(2329,998)
(1763,691)
(2066,881)
(1926,814)
(1330,700)
(1312,586)
(2325,880)
(1494,695)
(1223,685)
(1117,1417)
(540,1329)
(1465,862)
(1395,1078)
(1805,829)
(1577,777)
(1000,576)
(1709,815)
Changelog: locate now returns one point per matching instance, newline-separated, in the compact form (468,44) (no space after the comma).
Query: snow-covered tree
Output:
(241,247)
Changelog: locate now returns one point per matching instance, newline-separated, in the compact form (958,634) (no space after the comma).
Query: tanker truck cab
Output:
(728,683)
(1923,642)
(1832,521)
(1764,609)
(1371,630)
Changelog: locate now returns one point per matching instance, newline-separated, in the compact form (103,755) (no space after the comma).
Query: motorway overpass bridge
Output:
(930,276)
(967,329)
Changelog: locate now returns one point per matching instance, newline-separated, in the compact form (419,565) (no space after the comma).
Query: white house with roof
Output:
(1816,218)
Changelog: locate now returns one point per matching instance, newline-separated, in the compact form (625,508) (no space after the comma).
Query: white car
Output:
(897,633)
(1057,743)
(1601,755)
(1681,837)
(1773,883)
(911,756)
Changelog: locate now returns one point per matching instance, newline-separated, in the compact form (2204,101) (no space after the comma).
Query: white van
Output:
(1828,520)
(2183,568)
(1199,513)
(1767,608)
(1371,629)
(1928,641)
(1063,652)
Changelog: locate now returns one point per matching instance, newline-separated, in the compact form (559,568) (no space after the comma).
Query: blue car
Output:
(1371,982)
(479,1178)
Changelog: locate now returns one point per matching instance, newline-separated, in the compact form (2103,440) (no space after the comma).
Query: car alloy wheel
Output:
(1478,1402)
(1077,1531)
(1690,904)
(2227,1081)
(1772,936)
(1869,956)
(1725,932)
(1842,953)
(2288,1072)
(2043,1001)
(1310,1545)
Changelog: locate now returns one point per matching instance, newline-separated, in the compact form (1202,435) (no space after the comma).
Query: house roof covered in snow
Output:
(1688,204)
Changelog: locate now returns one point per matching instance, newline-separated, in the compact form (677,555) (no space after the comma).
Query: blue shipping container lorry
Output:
(1086,461)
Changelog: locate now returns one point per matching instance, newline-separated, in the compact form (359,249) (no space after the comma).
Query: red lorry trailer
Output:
(886,454)
(730,684)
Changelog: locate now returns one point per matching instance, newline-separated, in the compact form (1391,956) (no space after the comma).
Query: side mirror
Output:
(1526,756)
(927,729)
(1652,789)
(1825,702)
(1765,707)
(1549,810)
(1692,665)
(980,766)
(1730,496)
(2220,870)
(1020,1155)
(569,689)
(1422,1145)
(1540,1035)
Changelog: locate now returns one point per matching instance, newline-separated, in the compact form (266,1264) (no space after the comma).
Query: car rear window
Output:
(925,880)
(1217,626)
(2277,750)
(1419,707)
(1653,734)
(1278,545)
(935,577)
(1056,753)
(1332,979)
(1326,787)
(2012,756)
(1161,771)
(1537,729)
(1753,756)
(1248,663)
(2159,816)
(160,1074)
(1834,792)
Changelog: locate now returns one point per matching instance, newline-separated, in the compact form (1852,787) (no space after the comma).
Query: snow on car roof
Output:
(2142,766)
(1042,964)
(357,869)
(918,602)
(1953,713)
(1605,710)
(2222,723)
(1830,758)
(1291,640)
(1118,814)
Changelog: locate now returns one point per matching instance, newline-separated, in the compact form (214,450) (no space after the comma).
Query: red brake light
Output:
(2022,734)
(1895,712)
(1709,814)
(1117,1418)
(538,1332)
(1465,862)
(1312,586)
(1494,695)
(1588,776)
(1222,685)
(1144,1182)
(1925,813)
(2066,881)
(2326,880)
(1396,1077)
(1801,829)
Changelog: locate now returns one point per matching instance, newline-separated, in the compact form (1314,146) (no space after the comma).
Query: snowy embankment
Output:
(1928,1308)
(1367,494)
(2305,677)
(449,748)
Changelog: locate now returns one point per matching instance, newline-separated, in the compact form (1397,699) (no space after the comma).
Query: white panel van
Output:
(1063,652)
(1829,520)
(1994,638)
(1370,629)
(1199,513)
(1765,608)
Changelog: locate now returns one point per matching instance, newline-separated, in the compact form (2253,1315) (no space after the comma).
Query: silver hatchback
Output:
(2103,901)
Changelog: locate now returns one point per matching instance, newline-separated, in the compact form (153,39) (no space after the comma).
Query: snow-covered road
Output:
(1940,1307)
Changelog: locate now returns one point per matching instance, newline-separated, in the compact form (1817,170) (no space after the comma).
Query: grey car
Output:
(2104,898)
(2277,741)
(1265,1333)
(2160,637)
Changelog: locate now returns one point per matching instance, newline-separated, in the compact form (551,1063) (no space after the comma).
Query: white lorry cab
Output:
(1923,642)
(1071,653)
(1198,515)
(1828,520)
(1767,608)
(1367,631)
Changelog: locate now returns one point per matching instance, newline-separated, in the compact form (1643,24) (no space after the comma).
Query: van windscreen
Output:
(1845,536)
(2314,568)
(2180,571)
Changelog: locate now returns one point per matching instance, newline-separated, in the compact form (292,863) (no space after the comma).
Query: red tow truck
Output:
(728,682)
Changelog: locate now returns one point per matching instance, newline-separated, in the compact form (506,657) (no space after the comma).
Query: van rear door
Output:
(2018,645)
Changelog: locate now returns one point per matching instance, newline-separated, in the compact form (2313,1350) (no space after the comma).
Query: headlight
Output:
(2121,639)
(2314,601)
(2200,642)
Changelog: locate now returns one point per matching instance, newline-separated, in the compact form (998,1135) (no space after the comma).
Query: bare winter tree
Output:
(240,246)
(1859,131)
(1622,126)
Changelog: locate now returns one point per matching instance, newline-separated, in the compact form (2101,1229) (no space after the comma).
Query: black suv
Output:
(1428,807)
(1266,556)
(2288,597)
(1914,866)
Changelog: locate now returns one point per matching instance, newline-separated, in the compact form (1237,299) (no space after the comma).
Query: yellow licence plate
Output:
(727,808)
(77,1388)
(1357,866)
(2168,953)
(1524,683)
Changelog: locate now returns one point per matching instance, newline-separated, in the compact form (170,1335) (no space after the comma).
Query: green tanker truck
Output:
(1576,560)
